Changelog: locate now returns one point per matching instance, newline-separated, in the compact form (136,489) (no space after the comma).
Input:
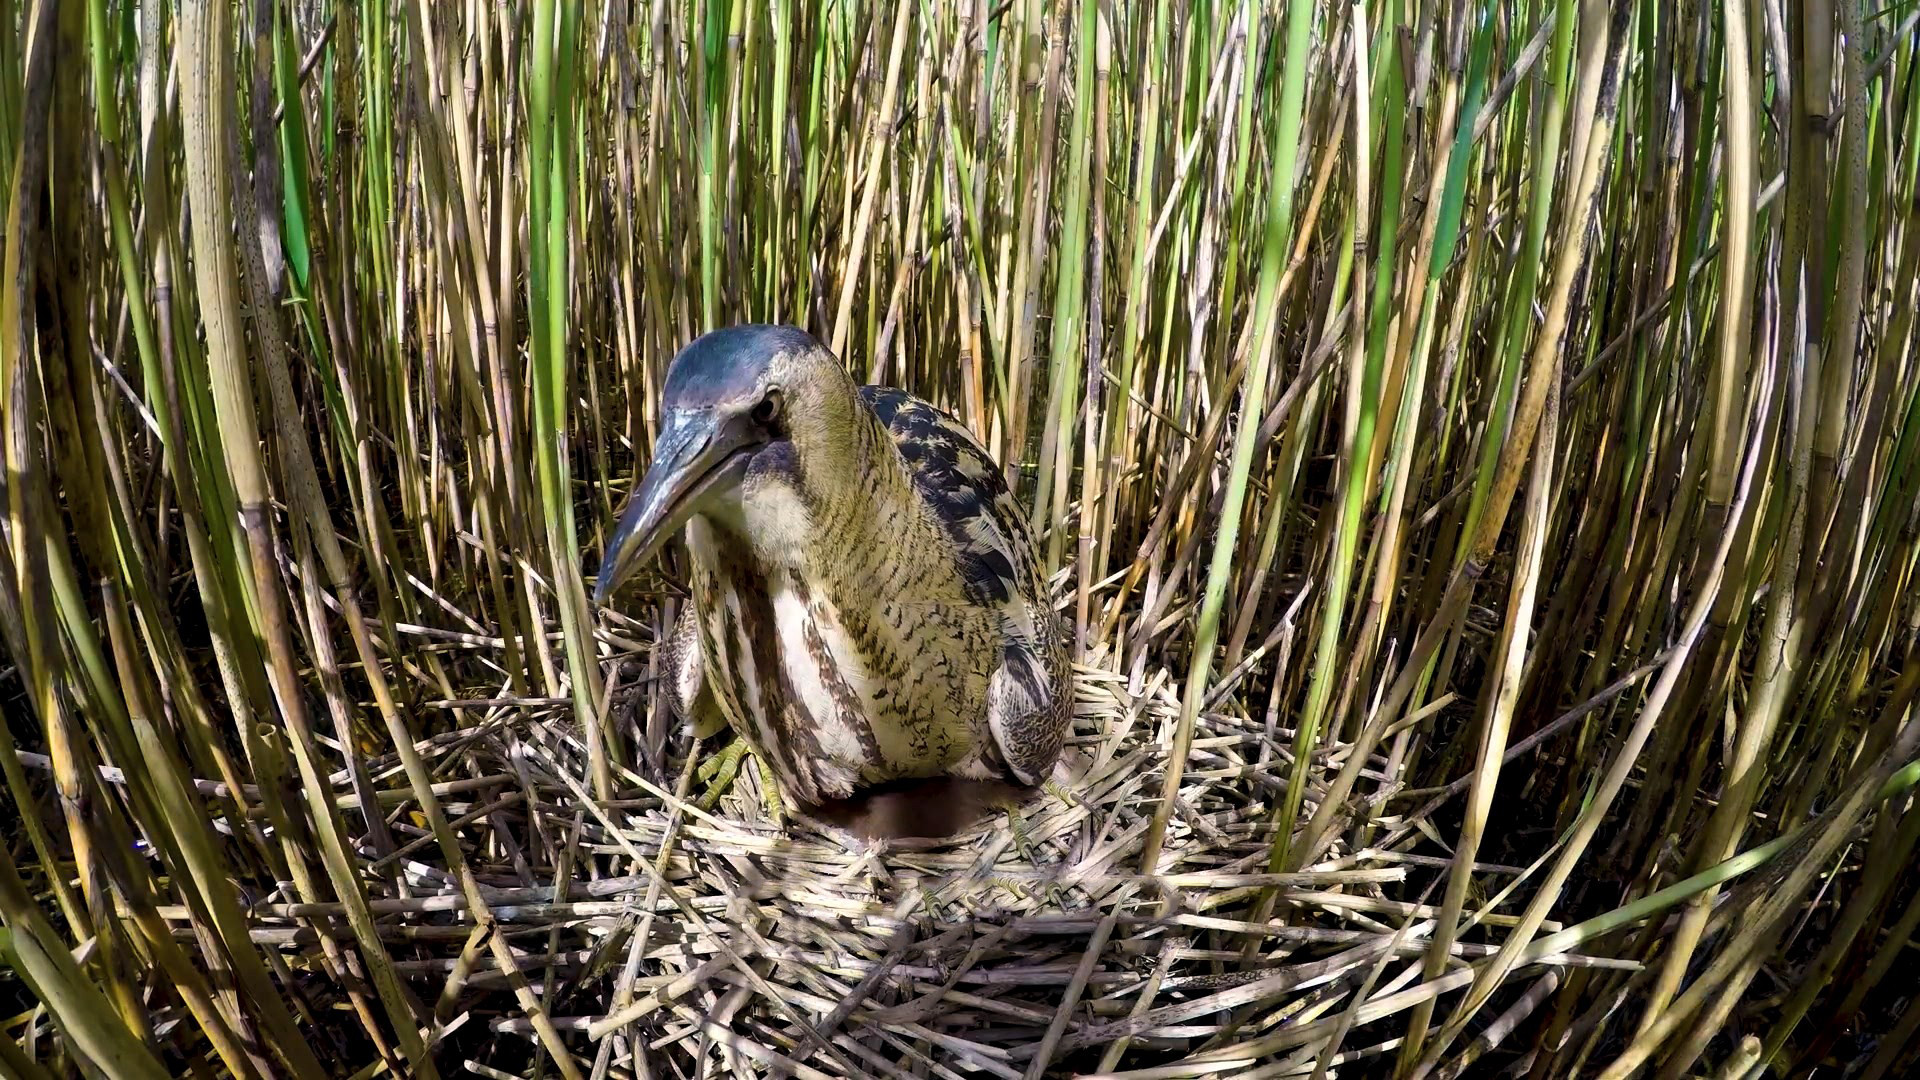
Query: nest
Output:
(718,941)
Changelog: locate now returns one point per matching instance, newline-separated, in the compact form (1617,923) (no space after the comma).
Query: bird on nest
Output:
(866,604)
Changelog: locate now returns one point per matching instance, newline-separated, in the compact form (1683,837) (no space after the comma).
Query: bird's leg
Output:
(710,764)
(1053,788)
(723,768)
(770,793)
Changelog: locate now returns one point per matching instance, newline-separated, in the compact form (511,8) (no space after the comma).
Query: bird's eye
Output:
(768,409)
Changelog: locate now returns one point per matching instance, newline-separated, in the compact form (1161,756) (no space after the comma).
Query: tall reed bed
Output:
(1512,407)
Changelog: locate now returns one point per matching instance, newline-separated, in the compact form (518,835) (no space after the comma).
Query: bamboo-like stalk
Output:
(99,1026)
(1782,633)
(1499,705)
(879,138)
(1726,979)
(1363,376)
(313,414)
(85,1014)
(1068,328)
(1286,134)
(1599,98)
(202,33)
(27,618)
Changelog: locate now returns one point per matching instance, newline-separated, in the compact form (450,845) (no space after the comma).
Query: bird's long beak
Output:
(696,455)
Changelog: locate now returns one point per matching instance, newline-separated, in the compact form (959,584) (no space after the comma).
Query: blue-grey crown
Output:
(721,365)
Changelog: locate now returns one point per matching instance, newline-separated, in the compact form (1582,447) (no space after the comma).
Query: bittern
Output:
(866,604)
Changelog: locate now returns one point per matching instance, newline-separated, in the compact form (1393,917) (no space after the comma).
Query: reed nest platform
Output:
(670,932)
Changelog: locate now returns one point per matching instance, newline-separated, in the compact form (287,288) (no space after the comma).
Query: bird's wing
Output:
(967,492)
(1029,702)
(687,689)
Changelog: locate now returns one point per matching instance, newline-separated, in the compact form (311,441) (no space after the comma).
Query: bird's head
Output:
(736,403)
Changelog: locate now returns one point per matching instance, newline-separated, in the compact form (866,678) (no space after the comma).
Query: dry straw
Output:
(1477,446)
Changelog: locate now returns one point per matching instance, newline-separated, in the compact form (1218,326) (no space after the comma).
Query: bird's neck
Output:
(865,513)
(862,492)
(842,509)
